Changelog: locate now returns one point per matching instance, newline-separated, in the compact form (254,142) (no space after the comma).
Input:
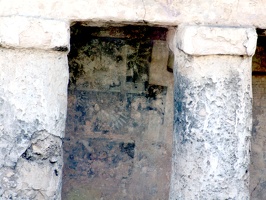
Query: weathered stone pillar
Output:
(212,102)
(33,104)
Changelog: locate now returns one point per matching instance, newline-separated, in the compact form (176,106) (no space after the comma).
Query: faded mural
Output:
(118,141)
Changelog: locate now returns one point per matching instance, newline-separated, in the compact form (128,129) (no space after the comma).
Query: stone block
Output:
(212,123)
(26,32)
(211,40)
(33,97)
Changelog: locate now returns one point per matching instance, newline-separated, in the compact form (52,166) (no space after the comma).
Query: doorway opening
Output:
(118,142)
(258,139)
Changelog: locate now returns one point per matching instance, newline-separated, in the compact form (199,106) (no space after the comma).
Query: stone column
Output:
(213,118)
(33,104)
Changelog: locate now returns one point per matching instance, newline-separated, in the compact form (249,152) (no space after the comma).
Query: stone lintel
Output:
(35,33)
(214,40)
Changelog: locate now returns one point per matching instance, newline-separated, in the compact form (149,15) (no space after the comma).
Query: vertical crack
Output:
(144,11)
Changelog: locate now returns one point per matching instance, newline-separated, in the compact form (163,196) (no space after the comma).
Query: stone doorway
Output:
(258,139)
(118,142)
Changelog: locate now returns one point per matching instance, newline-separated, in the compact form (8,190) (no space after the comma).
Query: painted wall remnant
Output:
(118,142)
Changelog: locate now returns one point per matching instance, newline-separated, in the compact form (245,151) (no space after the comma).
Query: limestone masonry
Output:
(140,99)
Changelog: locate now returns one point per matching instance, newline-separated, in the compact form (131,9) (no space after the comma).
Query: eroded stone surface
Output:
(216,40)
(170,12)
(212,127)
(26,32)
(32,122)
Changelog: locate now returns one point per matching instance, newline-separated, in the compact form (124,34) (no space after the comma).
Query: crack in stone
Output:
(255,188)
(144,11)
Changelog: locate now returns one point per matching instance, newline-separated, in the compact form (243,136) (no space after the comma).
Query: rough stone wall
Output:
(258,159)
(118,141)
(32,123)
